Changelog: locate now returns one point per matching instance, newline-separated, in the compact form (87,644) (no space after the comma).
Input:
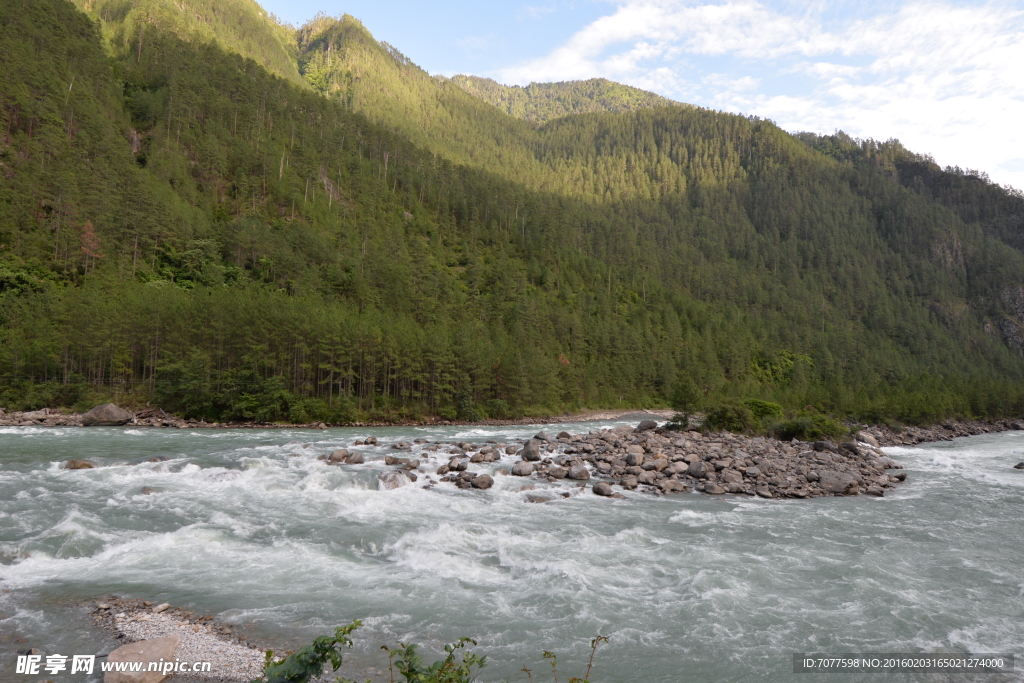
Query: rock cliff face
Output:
(1012,326)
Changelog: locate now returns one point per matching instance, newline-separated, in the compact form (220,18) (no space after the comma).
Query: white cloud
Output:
(945,79)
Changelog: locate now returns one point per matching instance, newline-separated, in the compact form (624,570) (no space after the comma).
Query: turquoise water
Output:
(250,526)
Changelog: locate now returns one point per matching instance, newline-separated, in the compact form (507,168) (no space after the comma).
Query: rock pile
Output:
(651,459)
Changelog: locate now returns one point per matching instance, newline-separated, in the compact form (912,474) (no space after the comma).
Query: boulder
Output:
(672,486)
(646,426)
(80,465)
(851,447)
(699,469)
(875,491)
(558,472)
(510,450)
(753,472)
(628,482)
(340,455)
(355,458)
(635,456)
(714,489)
(764,492)
(482,481)
(145,651)
(531,450)
(542,436)
(392,479)
(731,476)
(370,441)
(538,498)
(522,469)
(106,415)
(35,414)
(579,472)
(147,490)
(622,429)
(888,463)
(838,482)
(1017,425)
(647,478)
(1019,466)
(867,438)
(603,488)
(564,435)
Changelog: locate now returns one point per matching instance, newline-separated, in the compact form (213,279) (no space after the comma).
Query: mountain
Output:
(305,225)
(541,102)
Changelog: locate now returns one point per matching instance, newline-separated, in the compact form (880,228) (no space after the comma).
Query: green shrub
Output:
(764,410)
(808,427)
(731,416)
(309,662)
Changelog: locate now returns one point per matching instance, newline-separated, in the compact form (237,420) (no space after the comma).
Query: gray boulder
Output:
(628,482)
(647,478)
(699,469)
(558,472)
(672,486)
(870,440)
(602,488)
(564,435)
(635,456)
(542,436)
(106,415)
(1019,466)
(646,426)
(522,469)
(482,481)
(579,472)
(153,651)
(340,455)
(838,482)
(714,489)
(531,450)
(355,458)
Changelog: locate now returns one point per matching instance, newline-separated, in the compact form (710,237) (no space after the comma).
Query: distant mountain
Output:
(207,210)
(541,102)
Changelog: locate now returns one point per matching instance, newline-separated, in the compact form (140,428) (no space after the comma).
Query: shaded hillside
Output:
(181,225)
(541,102)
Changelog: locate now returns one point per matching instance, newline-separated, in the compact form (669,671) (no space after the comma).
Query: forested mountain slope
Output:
(182,225)
(240,26)
(541,102)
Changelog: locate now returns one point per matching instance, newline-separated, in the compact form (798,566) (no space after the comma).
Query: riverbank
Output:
(155,417)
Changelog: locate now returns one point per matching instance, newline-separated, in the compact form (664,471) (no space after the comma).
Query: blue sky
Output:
(946,78)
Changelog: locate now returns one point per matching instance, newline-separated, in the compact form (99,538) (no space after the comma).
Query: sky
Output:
(944,78)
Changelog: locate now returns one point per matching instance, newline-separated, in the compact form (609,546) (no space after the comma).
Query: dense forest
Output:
(203,209)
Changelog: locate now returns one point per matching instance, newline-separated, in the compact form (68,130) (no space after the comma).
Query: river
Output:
(251,526)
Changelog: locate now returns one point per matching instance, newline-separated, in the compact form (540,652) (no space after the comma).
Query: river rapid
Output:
(249,525)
